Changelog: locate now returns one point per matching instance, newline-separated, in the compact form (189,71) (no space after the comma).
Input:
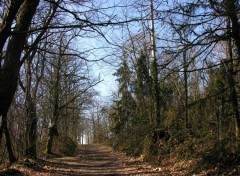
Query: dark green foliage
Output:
(209,113)
(132,119)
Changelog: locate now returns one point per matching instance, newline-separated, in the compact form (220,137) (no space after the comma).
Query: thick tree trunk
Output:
(8,85)
(49,144)
(31,132)
(5,26)
(232,83)
(11,156)
(31,114)
(10,70)
(4,129)
(8,18)
(232,12)
(11,66)
(53,131)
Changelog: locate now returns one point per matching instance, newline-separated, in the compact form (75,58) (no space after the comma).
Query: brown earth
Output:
(96,160)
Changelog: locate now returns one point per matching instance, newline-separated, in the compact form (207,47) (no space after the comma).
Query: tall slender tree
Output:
(154,71)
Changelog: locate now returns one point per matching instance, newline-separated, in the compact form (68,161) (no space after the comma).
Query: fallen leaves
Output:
(100,160)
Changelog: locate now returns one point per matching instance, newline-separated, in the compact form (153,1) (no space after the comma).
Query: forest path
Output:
(97,160)
(91,160)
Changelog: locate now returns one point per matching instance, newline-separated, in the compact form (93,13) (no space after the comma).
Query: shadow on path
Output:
(93,160)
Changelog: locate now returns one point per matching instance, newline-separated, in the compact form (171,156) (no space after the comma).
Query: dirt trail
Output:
(93,160)
(98,160)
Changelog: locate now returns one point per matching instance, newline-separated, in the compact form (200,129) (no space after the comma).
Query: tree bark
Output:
(7,20)
(11,156)
(53,131)
(232,83)
(185,67)
(156,89)
(31,113)
(31,132)
(10,70)
(232,13)
(4,129)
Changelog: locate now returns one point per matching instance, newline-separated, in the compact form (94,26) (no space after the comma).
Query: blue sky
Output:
(115,35)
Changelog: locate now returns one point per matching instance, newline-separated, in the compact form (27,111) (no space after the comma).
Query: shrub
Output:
(66,146)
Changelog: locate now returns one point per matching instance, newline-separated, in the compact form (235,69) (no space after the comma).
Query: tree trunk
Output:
(231,81)
(52,133)
(10,70)
(4,128)
(31,114)
(31,131)
(1,130)
(185,67)
(156,89)
(219,125)
(49,144)
(53,130)
(232,12)
(7,20)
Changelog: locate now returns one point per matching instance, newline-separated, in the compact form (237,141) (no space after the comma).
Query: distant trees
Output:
(68,84)
(28,37)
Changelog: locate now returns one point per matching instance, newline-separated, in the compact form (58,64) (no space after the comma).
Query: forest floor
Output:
(98,160)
